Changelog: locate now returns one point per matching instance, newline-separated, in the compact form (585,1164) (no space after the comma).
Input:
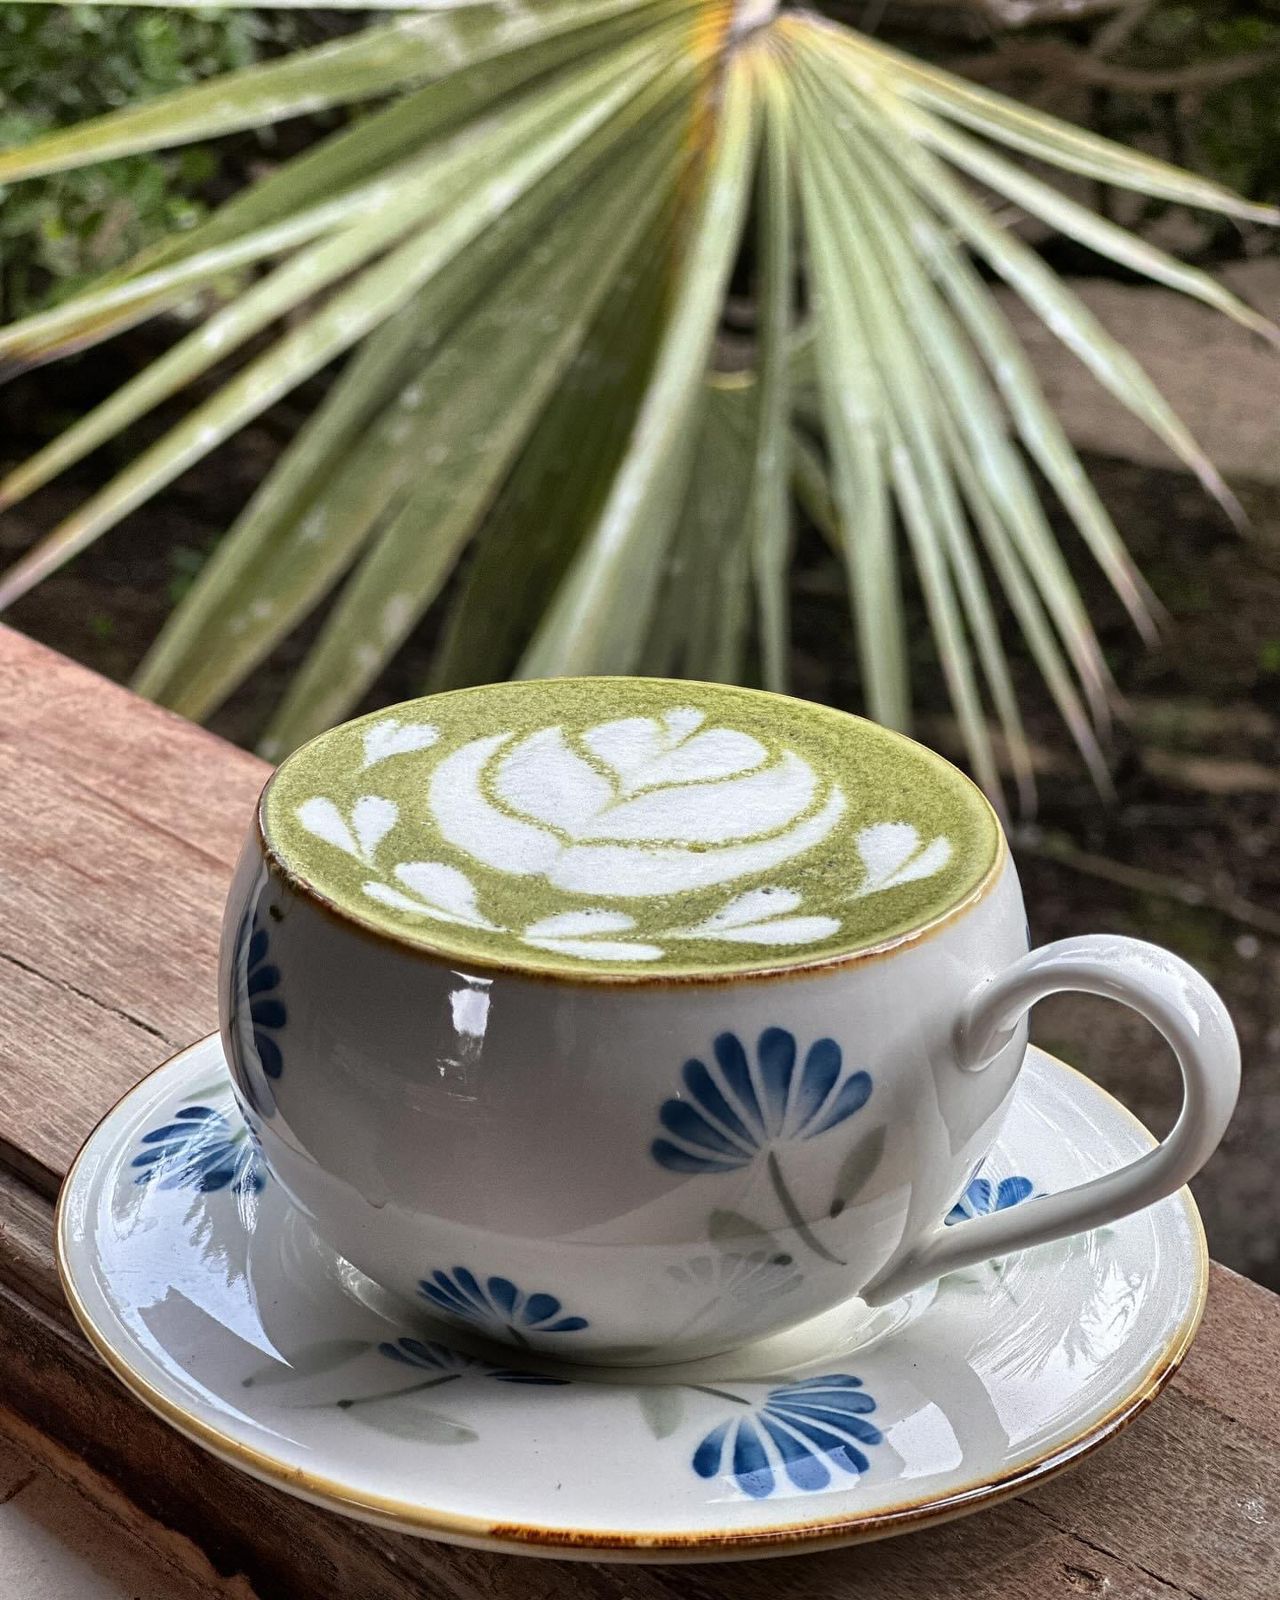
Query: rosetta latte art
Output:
(644,806)
(627,815)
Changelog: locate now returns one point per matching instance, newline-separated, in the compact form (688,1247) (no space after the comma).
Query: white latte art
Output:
(647,805)
(624,825)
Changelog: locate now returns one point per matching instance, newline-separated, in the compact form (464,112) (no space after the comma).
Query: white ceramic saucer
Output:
(211,1299)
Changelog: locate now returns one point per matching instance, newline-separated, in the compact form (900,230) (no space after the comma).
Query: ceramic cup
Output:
(631,1020)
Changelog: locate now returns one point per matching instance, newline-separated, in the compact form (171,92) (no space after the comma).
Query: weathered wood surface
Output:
(68,1534)
(116,834)
(118,828)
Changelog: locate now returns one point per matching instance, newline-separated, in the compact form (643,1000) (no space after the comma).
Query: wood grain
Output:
(73,1534)
(118,828)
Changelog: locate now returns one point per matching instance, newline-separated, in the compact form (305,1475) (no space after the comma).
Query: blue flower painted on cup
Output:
(723,1125)
(725,1120)
(200,1149)
(982,1197)
(267,1014)
(497,1306)
(258,1014)
(800,1432)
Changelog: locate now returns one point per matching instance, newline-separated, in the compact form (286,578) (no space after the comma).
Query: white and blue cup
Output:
(549,1139)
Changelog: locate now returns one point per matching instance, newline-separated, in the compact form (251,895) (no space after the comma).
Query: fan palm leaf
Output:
(770,498)
(600,612)
(468,445)
(561,479)
(523,244)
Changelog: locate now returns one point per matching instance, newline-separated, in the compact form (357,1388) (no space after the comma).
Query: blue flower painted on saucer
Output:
(804,1432)
(497,1306)
(200,1149)
(983,1196)
(723,1121)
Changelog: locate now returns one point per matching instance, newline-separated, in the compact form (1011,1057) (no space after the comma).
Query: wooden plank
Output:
(118,831)
(1183,1497)
(108,908)
(101,976)
(1232,1367)
(68,1534)
(165,771)
(91,1054)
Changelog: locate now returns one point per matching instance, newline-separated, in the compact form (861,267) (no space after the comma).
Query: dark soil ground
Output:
(1188,855)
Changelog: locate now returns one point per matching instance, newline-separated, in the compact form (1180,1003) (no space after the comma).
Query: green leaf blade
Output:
(954,593)
(853,413)
(1042,136)
(1084,226)
(374,62)
(466,445)
(600,614)
(565,121)
(559,486)
(771,532)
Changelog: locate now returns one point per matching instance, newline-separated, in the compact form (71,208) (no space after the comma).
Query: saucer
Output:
(208,1295)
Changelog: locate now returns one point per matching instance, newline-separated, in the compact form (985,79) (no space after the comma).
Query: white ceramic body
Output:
(426,1120)
(482,1143)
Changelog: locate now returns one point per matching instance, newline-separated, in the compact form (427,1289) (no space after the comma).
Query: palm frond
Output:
(597,620)
(857,432)
(468,445)
(526,242)
(409,50)
(1046,138)
(913,457)
(478,185)
(1062,311)
(353,157)
(700,624)
(989,472)
(559,485)
(770,510)
(314,515)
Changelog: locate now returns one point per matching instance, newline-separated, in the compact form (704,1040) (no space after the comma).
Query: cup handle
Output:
(1180,1004)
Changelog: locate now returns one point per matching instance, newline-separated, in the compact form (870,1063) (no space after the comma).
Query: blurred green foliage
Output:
(1236,127)
(1229,130)
(60,64)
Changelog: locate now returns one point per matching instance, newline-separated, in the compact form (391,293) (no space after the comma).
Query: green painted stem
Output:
(396,1394)
(720,1394)
(793,1215)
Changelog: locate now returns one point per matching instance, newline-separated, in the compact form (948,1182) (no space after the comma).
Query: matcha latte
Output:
(617,825)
